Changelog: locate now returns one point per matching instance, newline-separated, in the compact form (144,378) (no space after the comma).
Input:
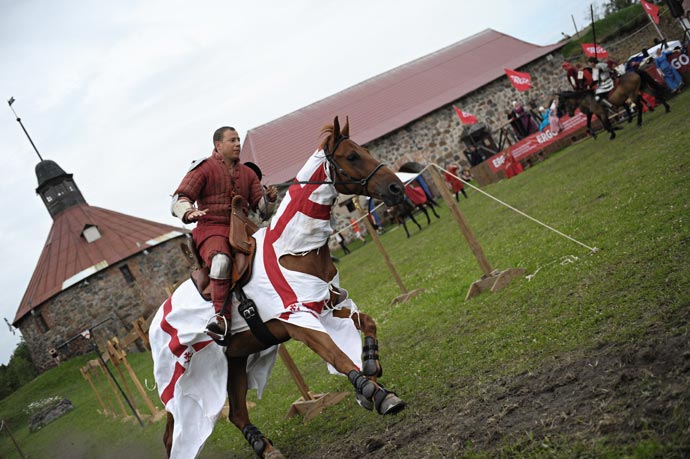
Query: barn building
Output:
(406,114)
(99,270)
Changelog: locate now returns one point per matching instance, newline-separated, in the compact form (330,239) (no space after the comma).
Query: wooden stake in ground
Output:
(406,295)
(493,280)
(309,405)
(118,355)
(85,373)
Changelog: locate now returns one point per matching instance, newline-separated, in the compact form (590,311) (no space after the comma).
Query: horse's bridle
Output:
(364,182)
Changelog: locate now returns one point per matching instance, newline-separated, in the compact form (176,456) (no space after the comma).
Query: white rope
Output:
(591,249)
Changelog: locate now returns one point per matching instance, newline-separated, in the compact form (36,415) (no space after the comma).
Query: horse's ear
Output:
(346,129)
(336,129)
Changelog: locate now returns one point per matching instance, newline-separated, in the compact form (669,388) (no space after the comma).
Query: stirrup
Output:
(217,331)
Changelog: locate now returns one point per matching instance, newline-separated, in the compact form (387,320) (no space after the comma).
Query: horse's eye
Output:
(352,156)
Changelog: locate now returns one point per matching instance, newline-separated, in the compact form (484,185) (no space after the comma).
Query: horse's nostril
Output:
(394,188)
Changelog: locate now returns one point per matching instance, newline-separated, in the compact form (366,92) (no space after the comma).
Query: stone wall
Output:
(106,294)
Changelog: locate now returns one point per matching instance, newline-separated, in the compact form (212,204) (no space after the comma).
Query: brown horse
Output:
(627,89)
(340,165)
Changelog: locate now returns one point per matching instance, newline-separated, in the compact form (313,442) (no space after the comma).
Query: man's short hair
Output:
(218,135)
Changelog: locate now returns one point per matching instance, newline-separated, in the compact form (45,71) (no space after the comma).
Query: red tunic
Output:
(416,195)
(212,185)
(451,178)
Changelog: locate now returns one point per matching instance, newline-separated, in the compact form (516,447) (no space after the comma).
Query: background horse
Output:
(296,293)
(401,212)
(627,89)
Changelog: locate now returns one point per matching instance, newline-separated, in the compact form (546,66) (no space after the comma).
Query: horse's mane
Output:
(327,133)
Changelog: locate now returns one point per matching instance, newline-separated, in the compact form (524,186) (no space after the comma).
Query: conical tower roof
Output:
(83,241)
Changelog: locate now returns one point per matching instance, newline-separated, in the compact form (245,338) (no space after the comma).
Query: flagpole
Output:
(651,19)
(19,120)
(594,33)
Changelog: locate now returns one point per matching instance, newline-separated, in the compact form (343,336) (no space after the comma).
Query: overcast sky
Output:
(125,94)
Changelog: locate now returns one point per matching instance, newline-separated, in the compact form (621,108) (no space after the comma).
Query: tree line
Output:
(19,370)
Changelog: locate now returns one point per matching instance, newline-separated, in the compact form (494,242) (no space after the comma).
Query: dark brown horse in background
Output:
(627,89)
(352,170)
(401,212)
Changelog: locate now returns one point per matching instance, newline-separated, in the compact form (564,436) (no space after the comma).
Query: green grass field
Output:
(466,368)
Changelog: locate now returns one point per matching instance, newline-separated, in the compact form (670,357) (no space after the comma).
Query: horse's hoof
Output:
(391,404)
(273,454)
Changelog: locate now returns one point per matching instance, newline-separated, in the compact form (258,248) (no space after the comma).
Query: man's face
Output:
(229,146)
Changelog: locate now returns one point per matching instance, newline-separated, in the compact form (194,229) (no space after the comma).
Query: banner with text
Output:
(592,50)
(537,141)
(521,81)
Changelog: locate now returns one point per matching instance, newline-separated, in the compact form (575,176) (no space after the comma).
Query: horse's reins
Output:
(363,182)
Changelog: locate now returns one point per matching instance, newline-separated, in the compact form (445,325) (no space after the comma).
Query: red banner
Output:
(520,80)
(537,141)
(594,51)
(465,117)
(651,10)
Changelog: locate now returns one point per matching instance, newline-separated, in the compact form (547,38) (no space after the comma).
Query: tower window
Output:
(40,321)
(91,233)
(127,274)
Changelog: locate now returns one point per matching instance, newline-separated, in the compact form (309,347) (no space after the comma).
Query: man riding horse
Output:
(602,81)
(212,183)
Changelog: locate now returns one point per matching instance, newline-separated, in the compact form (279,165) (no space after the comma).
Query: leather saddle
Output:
(242,245)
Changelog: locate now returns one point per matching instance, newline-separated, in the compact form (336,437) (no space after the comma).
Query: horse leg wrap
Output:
(255,438)
(364,389)
(370,357)
(372,395)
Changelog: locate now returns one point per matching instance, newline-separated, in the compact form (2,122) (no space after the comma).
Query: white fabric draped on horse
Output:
(191,370)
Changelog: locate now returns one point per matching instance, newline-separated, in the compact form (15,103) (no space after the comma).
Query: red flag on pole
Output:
(520,80)
(651,10)
(592,50)
(465,117)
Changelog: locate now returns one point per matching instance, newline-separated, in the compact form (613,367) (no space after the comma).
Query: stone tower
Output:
(99,270)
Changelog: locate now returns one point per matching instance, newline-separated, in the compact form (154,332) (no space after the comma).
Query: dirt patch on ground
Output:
(623,391)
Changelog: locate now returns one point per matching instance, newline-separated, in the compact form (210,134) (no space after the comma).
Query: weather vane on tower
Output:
(19,120)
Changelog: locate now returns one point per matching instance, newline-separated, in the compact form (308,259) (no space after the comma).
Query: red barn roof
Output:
(389,101)
(68,257)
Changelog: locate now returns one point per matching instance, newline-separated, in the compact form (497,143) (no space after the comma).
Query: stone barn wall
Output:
(109,293)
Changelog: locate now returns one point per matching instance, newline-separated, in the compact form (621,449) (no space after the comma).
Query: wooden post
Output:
(294,372)
(406,295)
(492,279)
(462,222)
(6,428)
(140,329)
(85,373)
(122,355)
(113,388)
(116,358)
(309,405)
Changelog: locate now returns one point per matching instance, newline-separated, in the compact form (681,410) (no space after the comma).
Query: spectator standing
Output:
(511,167)
(452,179)
(356,231)
(554,121)
(341,241)
(671,76)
